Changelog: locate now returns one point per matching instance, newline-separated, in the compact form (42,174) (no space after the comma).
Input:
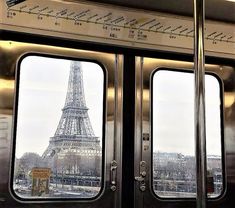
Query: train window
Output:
(173,172)
(59,131)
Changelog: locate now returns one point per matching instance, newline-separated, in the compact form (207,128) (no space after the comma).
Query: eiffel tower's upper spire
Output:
(75,121)
(75,94)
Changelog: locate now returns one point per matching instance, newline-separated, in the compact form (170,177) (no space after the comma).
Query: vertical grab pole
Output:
(199,102)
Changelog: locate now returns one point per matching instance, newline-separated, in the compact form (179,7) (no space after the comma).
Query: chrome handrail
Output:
(199,102)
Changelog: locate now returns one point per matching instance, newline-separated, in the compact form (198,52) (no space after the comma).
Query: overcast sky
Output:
(43,87)
(173,113)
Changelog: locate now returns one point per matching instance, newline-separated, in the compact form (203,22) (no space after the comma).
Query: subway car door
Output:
(60,128)
(165,174)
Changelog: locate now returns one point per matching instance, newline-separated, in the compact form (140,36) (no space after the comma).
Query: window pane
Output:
(174,171)
(59,129)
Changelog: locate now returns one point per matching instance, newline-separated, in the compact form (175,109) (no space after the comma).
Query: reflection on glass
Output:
(59,129)
(174,173)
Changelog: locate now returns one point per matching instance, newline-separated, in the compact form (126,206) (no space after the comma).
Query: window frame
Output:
(221,94)
(15,119)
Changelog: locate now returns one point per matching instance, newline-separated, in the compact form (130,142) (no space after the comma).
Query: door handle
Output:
(141,177)
(113,175)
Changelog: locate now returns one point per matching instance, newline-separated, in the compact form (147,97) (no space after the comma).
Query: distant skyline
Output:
(42,94)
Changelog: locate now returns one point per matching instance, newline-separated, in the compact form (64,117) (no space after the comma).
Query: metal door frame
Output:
(144,197)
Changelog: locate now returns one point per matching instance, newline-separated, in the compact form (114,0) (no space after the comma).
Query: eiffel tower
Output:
(74,132)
